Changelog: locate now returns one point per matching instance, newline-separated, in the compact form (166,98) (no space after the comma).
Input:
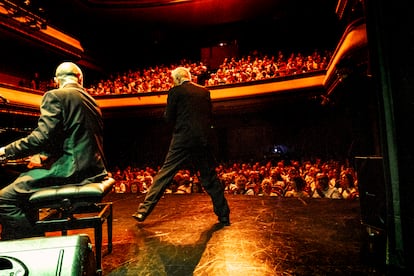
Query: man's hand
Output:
(3,157)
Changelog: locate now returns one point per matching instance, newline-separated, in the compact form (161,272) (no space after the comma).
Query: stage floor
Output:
(267,236)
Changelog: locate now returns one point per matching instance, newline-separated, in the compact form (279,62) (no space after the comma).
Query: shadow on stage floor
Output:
(267,236)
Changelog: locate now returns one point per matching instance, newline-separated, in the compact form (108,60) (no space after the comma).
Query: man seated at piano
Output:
(66,147)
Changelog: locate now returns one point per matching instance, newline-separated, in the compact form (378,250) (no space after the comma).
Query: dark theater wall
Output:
(302,130)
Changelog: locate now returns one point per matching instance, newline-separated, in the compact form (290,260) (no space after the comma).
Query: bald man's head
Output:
(68,72)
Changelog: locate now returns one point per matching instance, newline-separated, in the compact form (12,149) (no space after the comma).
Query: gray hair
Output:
(180,74)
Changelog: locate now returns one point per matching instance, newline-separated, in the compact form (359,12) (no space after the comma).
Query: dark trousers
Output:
(203,161)
(16,217)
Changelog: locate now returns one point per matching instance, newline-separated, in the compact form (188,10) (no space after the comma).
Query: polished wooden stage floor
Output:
(267,236)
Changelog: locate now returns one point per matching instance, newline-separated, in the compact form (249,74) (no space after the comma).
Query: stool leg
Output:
(109,226)
(98,246)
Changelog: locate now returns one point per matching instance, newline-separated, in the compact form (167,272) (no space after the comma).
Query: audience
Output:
(255,66)
(245,69)
(283,179)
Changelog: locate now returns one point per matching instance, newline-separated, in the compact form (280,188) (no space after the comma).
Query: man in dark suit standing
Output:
(189,108)
(68,142)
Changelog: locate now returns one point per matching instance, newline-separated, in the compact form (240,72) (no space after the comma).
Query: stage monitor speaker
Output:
(371,184)
(48,256)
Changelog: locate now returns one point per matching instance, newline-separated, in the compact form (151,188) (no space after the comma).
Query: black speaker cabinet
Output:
(371,186)
(61,255)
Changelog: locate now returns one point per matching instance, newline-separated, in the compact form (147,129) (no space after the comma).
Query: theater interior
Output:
(359,108)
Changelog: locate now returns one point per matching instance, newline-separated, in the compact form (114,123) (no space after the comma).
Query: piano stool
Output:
(74,206)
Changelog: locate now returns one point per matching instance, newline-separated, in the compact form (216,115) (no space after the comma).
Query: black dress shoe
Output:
(224,220)
(139,216)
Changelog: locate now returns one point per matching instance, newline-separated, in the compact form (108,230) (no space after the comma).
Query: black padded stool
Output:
(76,207)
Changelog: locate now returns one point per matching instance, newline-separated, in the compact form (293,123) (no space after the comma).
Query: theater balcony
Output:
(346,66)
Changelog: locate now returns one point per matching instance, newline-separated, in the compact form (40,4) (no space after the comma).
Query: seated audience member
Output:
(347,187)
(298,185)
(184,186)
(240,187)
(324,190)
(266,186)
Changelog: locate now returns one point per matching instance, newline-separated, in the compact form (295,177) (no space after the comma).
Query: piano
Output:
(10,169)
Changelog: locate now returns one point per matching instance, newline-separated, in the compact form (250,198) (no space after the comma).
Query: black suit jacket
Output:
(70,133)
(189,109)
